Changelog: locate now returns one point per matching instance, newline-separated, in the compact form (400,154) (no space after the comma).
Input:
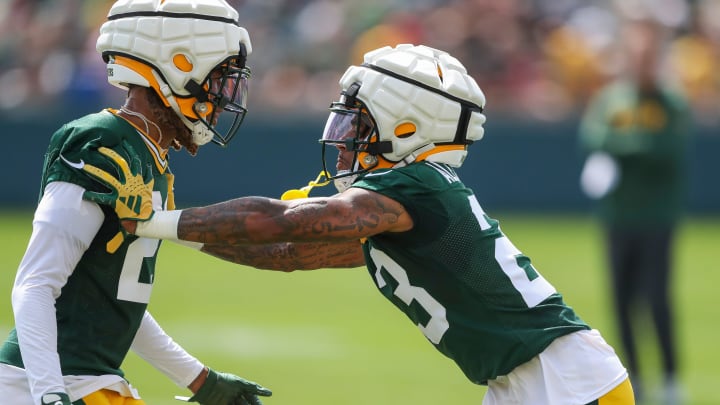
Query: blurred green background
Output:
(328,337)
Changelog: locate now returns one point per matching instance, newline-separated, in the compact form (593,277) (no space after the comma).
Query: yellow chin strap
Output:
(304,192)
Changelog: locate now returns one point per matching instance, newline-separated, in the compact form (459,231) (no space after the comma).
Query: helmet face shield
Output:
(227,93)
(341,126)
(348,131)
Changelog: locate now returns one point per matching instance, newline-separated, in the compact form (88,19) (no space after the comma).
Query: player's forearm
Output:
(243,220)
(291,256)
(222,223)
(260,220)
(153,345)
(36,327)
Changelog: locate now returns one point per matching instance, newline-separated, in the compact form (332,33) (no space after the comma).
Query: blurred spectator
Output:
(537,59)
(635,131)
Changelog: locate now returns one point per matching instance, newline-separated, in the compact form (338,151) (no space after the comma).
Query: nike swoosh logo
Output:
(78,165)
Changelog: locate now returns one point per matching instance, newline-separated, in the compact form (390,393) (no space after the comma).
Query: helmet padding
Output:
(425,88)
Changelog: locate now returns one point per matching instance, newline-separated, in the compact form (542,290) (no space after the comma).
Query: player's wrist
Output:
(162,225)
(199,381)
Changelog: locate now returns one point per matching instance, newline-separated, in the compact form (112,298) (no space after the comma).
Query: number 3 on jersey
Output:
(407,293)
(529,284)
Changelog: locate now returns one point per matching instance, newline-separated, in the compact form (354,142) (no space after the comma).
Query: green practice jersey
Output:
(473,294)
(103,302)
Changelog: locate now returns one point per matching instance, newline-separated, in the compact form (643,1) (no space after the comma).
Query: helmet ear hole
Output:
(404,130)
(182,63)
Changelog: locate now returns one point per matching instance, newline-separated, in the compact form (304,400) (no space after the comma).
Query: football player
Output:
(81,292)
(402,125)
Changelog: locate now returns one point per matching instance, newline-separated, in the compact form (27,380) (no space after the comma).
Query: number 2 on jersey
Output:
(527,281)
(130,288)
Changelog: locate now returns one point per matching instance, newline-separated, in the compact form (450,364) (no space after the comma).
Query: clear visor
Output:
(346,133)
(346,124)
(339,126)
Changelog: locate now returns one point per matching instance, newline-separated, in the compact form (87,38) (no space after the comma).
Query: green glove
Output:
(131,196)
(229,389)
(55,398)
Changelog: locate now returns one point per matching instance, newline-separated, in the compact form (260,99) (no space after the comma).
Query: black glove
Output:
(229,389)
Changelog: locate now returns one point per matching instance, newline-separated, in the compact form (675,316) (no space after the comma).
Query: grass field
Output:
(328,337)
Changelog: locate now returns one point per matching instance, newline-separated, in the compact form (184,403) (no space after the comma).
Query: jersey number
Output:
(527,281)
(407,293)
(531,286)
(130,288)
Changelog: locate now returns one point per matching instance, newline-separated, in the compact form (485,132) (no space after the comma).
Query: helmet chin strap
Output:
(200,133)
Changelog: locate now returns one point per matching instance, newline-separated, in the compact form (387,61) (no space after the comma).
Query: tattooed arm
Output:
(291,256)
(354,214)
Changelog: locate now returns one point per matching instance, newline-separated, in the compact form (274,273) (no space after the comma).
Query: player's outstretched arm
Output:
(291,256)
(349,216)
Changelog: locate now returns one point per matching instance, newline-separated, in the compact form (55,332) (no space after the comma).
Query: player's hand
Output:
(55,398)
(229,389)
(130,196)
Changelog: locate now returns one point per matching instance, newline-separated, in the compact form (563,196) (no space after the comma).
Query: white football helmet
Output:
(402,105)
(191,52)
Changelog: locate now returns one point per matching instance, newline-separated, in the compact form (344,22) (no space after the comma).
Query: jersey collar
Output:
(159,154)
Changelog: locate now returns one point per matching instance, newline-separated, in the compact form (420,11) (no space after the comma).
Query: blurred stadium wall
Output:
(518,165)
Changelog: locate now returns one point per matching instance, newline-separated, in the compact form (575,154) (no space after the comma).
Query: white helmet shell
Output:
(425,89)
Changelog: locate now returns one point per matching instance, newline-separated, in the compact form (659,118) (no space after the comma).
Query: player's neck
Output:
(139,119)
